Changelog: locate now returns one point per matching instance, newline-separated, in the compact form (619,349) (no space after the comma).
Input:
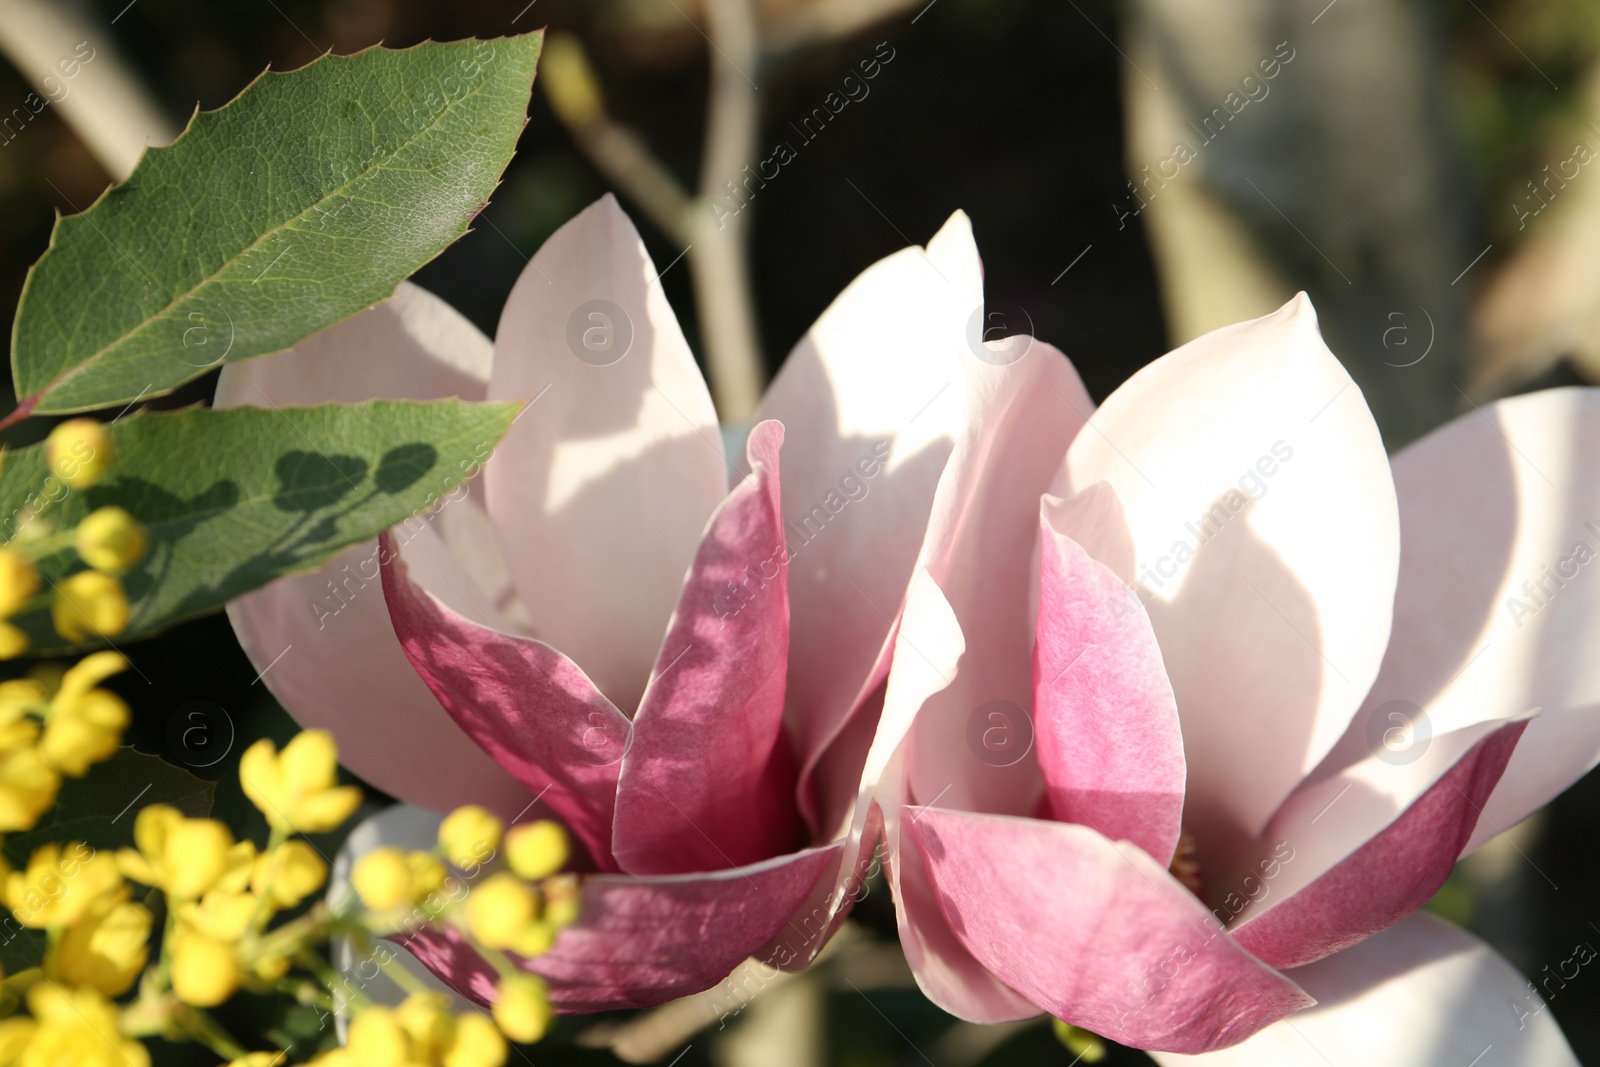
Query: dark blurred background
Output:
(1395,167)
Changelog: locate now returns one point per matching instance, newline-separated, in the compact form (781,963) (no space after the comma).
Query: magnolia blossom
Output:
(599,630)
(1180,768)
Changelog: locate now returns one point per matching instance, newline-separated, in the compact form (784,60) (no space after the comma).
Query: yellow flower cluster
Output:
(89,604)
(421,1032)
(52,726)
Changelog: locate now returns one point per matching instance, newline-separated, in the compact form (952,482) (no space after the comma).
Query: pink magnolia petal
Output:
(1495,613)
(927,649)
(1102,962)
(600,491)
(709,781)
(1109,744)
(870,400)
(323,640)
(1258,496)
(1420,994)
(643,941)
(1392,875)
(526,704)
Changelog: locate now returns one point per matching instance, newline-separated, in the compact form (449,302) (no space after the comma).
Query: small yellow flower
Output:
(383,879)
(79,452)
(205,972)
(376,1037)
(27,783)
(78,1027)
(522,1007)
(15,1034)
(427,1021)
(477,1043)
(13,642)
(561,896)
(220,915)
(469,835)
(89,604)
(427,874)
(111,540)
(499,909)
(298,789)
(291,872)
(182,856)
(105,952)
(19,581)
(85,724)
(62,884)
(537,850)
(534,940)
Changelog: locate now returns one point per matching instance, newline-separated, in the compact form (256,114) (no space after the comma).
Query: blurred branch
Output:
(101,99)
(827,20)
(719,255)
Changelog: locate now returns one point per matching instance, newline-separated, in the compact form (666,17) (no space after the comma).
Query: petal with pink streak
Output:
(1495,613)
(927,649)
(1262,511)
(709,781)
(1389,877)
(599,492)
(322,640)
(870,398)
(1420,994)
(642,941)
(1089,931)
(1109,744)
(526,704)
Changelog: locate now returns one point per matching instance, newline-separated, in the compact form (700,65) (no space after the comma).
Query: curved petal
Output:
(927,649)
(322,640)
(709,781)
(601,489)
(869,399)
(1498,609)
(1261,508)
(1420,994)
(640,942)
(1110,747)
(1104,962)
(526,704)
(1392,875)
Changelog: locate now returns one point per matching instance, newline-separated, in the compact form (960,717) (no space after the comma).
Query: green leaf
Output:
(236,498)
(307,198)
(99,809)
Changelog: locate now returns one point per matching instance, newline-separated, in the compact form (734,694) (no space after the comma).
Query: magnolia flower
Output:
(1206,701)
(602,632)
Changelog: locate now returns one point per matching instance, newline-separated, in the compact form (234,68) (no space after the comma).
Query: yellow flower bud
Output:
(426,1019)
(376,1037)
(13,642)
(84,732)
(78,1026)
(522,1008)
(499,909)
(259,1059)
(469,836)
(427,874)
(61,885)
(477,1043)
(221,915)
(561,897)
(27,783)
(383,878)
(204,972)
(293,871)
(89,604)
(19,581)
(183,856)
(535,940)
(16,1034)
(537,850)
(105,952)
(79,452)
(111,540)
(298,789)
